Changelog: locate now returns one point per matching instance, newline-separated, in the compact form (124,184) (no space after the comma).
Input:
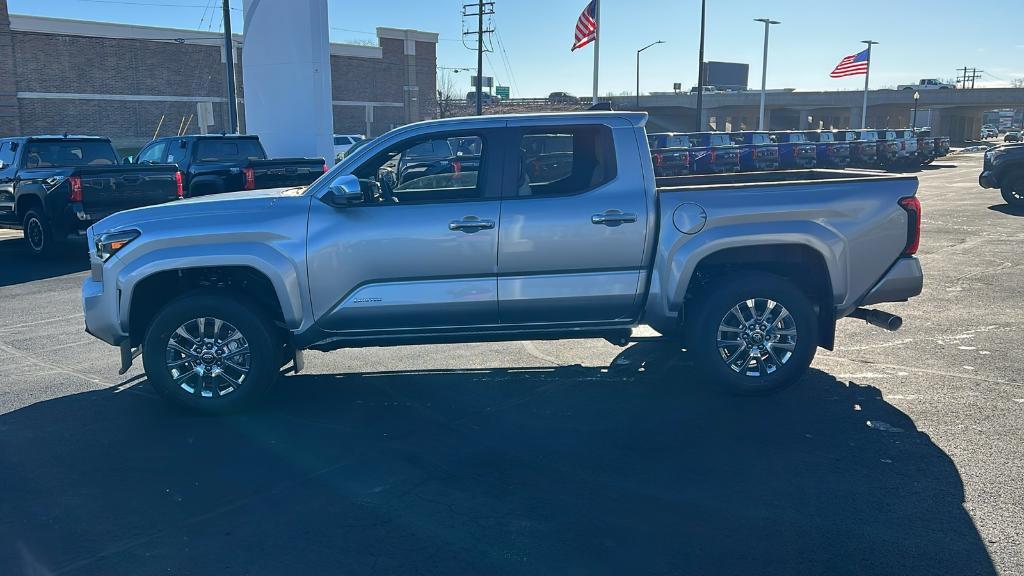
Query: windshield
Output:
(233,149)
(69,153)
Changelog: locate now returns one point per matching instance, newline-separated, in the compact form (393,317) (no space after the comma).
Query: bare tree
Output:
(1017,83)
(447,94)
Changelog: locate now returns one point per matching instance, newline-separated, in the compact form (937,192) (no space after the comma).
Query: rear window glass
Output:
(825,137)
(241,149)
(49,154)
(430,149)
(760,139)
(565,161)
(720,140)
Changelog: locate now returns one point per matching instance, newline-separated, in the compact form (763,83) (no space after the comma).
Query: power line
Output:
(205,7)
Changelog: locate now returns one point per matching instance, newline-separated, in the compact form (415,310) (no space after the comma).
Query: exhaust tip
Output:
(884,320)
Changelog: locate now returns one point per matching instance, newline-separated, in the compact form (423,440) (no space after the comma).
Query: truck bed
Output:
(672,183)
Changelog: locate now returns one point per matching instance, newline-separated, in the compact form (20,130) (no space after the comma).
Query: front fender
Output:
(283,273)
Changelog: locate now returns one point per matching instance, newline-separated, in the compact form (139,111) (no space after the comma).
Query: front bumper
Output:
(100,303)
(903,281)
(987,180)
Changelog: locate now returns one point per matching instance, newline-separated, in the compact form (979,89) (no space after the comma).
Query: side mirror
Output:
(344,191)
(2,165)
(128,160)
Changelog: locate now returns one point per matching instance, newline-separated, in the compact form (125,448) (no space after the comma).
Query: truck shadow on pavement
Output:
(556,470)
(20,266)
(1007,209)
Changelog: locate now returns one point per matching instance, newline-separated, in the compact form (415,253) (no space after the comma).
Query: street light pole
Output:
(638,69)
(764,68)
(917,96)
(700,70)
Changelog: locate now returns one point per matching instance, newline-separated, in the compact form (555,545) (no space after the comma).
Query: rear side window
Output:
(235,149)
(564,161)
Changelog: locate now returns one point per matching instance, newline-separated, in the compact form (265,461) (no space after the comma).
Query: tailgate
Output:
(114,188)
(286,172)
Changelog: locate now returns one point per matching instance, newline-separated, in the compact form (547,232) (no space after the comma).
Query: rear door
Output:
(573,224)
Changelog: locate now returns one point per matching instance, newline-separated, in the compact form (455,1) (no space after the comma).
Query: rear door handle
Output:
(470,224)
(613,218)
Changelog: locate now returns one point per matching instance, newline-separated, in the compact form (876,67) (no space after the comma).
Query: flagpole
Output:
(597,44)
(867,74)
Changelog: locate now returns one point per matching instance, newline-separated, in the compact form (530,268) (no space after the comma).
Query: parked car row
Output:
(57,186)
(680,154)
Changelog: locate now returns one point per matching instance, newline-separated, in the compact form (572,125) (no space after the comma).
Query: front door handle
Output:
(613,218)
(470,224)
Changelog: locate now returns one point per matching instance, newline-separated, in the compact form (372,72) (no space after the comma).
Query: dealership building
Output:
(132,83)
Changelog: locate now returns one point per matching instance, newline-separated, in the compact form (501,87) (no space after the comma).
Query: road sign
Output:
(503,92)
(488,81)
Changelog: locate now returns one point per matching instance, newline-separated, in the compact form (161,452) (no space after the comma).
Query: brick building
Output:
(120,80)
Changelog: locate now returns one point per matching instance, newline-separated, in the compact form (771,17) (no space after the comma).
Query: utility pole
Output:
(482,9)
(700,70)
(229,57)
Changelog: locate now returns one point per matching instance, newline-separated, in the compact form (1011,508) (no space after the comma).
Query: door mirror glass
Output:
(128,160)
(344,191)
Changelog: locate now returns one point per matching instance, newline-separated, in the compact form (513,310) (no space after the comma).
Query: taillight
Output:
(657,159)
(714,155)
(913,207)
(325,168)
(76,189)
(457,166)
(179,185)
(250,179)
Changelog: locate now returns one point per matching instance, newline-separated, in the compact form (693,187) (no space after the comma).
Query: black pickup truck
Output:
(1004,169)
(211,164)
(57,186)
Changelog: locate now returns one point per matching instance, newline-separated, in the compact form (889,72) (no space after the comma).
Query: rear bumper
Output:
(987,180)
(903,281)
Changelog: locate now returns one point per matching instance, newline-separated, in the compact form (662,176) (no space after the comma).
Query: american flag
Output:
(852,65)
(586,26)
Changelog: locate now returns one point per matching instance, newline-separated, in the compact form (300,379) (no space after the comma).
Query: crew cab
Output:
(830,153)
(57,186)
(757,151)
(1004,169)
(862,151)
(795,151)
(748,272)
(212,164)
(713,153)
(670,153)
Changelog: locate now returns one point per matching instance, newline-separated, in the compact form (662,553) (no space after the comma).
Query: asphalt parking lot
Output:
(899,453)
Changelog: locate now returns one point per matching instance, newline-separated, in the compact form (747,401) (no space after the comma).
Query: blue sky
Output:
(919,39)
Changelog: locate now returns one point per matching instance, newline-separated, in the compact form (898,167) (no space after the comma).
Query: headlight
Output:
(108,244)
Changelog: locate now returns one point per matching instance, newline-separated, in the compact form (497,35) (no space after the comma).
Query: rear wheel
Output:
(1013,191)
(211,353)
(753,333)
(39,234)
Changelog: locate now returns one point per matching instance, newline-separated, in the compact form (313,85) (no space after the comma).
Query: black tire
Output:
(263,358)
(1013,191)
(39,234)
(718,300)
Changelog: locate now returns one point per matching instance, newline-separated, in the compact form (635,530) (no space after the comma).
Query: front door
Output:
(573,227)
(420,251)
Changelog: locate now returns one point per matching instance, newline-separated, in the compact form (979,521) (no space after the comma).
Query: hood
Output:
(231,203)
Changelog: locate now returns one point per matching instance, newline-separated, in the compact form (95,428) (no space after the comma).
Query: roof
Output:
(636,118)
(66,137)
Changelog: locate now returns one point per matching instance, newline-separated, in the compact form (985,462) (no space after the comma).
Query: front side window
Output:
(154,154)
(565,161)
(68,153)
(436,169)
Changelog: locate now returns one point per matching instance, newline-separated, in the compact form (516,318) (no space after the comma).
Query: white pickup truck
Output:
(927,84)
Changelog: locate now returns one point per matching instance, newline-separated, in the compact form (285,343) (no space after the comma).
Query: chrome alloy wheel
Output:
(208,357)
(756,337)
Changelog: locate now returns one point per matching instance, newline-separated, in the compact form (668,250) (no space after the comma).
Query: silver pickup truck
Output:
(528,227)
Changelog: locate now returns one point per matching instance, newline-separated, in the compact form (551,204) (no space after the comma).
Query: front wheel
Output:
(753,333)
(211,352)
(1013,192)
